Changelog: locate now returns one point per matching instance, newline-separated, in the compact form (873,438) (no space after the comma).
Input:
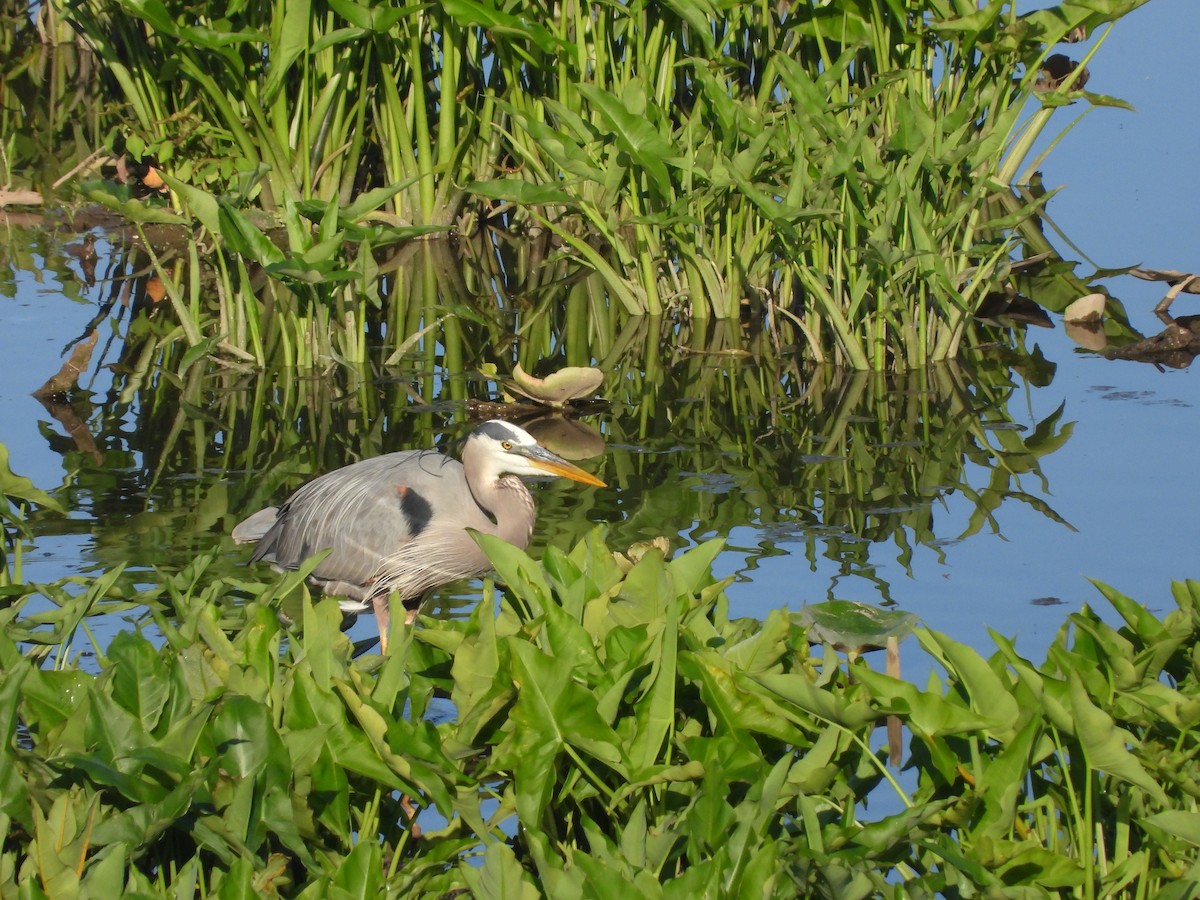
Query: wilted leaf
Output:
(1088,308)
(568,383)
(1171,276)
(1090,336)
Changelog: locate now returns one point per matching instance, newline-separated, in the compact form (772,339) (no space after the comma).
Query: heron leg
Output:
(383,618)
(406,804)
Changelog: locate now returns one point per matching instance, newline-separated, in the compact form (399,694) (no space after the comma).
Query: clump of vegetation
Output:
(607,723)
(839,172)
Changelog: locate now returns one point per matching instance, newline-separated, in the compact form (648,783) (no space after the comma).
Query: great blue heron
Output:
(398,522)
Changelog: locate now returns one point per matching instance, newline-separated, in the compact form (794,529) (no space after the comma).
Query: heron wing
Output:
(406,505)
(252,529)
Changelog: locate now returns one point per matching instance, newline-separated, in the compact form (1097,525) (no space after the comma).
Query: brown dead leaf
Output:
(66,377)
(1171,276)
(155,289)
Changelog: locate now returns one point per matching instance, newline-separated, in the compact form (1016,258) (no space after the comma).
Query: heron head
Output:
(503,448)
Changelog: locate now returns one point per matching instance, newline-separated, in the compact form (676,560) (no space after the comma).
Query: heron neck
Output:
(513,509)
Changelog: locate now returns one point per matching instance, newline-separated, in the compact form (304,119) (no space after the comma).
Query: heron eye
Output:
(507,445)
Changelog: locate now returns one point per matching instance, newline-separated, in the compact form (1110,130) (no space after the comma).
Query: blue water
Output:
(1122,481)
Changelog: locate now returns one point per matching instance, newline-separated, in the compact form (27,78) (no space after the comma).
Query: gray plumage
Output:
(399,522)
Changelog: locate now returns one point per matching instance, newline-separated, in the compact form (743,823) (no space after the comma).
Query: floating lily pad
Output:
(855,627)
(556,389)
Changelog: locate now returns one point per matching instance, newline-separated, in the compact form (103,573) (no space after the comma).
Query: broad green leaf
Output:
(648,587)
(944,846)
(523,192)
(634,134)
(693,568)
(1104,744)
(111,732)
(481,685)
(369,201)
(1054,24)
(989,694)
(200,352)
(815,771)
(1183,824)
(737,706)
(487,15)
(765,648)
(289,39)
(361,873)
(14,792)
(105,874)
(139,211)
(1143,622)
(514,567)
(655,709)
(201,204)
(1027,864)
(321,625)
(237,882)
(552,711)
(929,714)
(244,237)
(574,156)
(331,785)
(377,18)
(800,691)
(140,825)
(1108,101)
(51,696)
(242,731)
(1001,781)
(139,677)
(131,785)
(55,847)
(501,876)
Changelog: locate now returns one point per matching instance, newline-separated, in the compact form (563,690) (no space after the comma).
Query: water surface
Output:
(1114,502)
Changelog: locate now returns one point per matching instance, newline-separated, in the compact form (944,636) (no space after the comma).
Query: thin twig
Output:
(83,163)
(1165,303)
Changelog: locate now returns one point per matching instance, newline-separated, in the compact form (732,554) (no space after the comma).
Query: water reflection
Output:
(857,463)
(710,430)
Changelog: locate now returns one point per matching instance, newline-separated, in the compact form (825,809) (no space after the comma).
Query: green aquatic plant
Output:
(832,170)
(763,438)
(17,495)
(606,721)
